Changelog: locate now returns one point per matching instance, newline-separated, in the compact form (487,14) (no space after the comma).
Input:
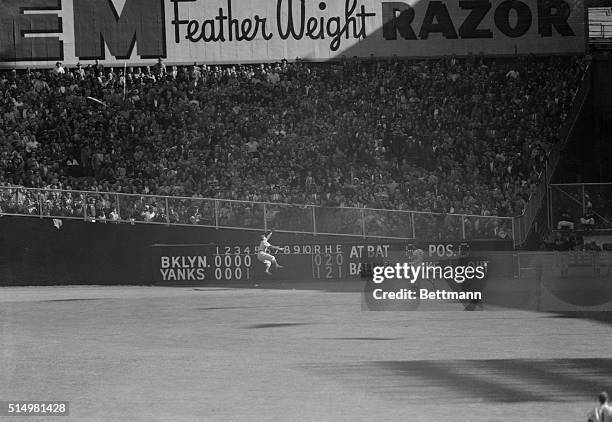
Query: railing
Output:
(575,198)
(105,207)
(524,222)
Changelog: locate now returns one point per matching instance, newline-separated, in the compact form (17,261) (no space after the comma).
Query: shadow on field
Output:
(362,338)
(502,381)
(327,286)
(597,316)
(277,325)
(70,300)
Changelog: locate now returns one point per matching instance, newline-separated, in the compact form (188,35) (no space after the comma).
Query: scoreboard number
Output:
(327,265)
(233,263)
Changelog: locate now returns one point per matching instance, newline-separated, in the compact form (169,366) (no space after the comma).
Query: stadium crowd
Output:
(447,135)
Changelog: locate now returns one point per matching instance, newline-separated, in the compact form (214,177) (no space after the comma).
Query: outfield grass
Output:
(187,354)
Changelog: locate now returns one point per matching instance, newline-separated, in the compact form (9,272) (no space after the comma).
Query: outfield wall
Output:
(34,252)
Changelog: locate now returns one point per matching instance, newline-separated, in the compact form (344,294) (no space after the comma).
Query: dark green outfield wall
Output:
(34,252)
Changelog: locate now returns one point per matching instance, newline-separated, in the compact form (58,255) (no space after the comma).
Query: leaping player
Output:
(263,254)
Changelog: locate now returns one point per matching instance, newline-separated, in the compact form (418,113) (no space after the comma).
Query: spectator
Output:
(587,221)
(601,413)
(59,69)
(592,246)
(561,242)
(79,72)
(565,221)
(457,136)
(114,215)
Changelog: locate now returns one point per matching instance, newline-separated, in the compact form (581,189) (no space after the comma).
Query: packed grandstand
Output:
(447,135)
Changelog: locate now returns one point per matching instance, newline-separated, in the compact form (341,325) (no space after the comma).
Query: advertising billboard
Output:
(41,32)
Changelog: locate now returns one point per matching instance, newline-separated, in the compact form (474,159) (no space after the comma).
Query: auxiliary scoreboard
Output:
(207,263)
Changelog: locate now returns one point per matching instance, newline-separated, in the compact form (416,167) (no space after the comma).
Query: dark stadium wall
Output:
(579,160)
(602,80)
(34,252)
(584,157)
(575,156)
(597,3)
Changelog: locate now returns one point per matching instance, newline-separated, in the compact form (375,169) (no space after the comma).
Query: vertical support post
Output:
(167,211)
(463,227)
(549,208)
(216,213)
(363,226)
(118,206)
(314,220)
(84,206)
(40,202)
(413,228)
(583,203)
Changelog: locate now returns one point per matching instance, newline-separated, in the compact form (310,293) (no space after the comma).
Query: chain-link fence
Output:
(577,203)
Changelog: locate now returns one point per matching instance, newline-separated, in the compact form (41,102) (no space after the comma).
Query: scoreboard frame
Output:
(236,263)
